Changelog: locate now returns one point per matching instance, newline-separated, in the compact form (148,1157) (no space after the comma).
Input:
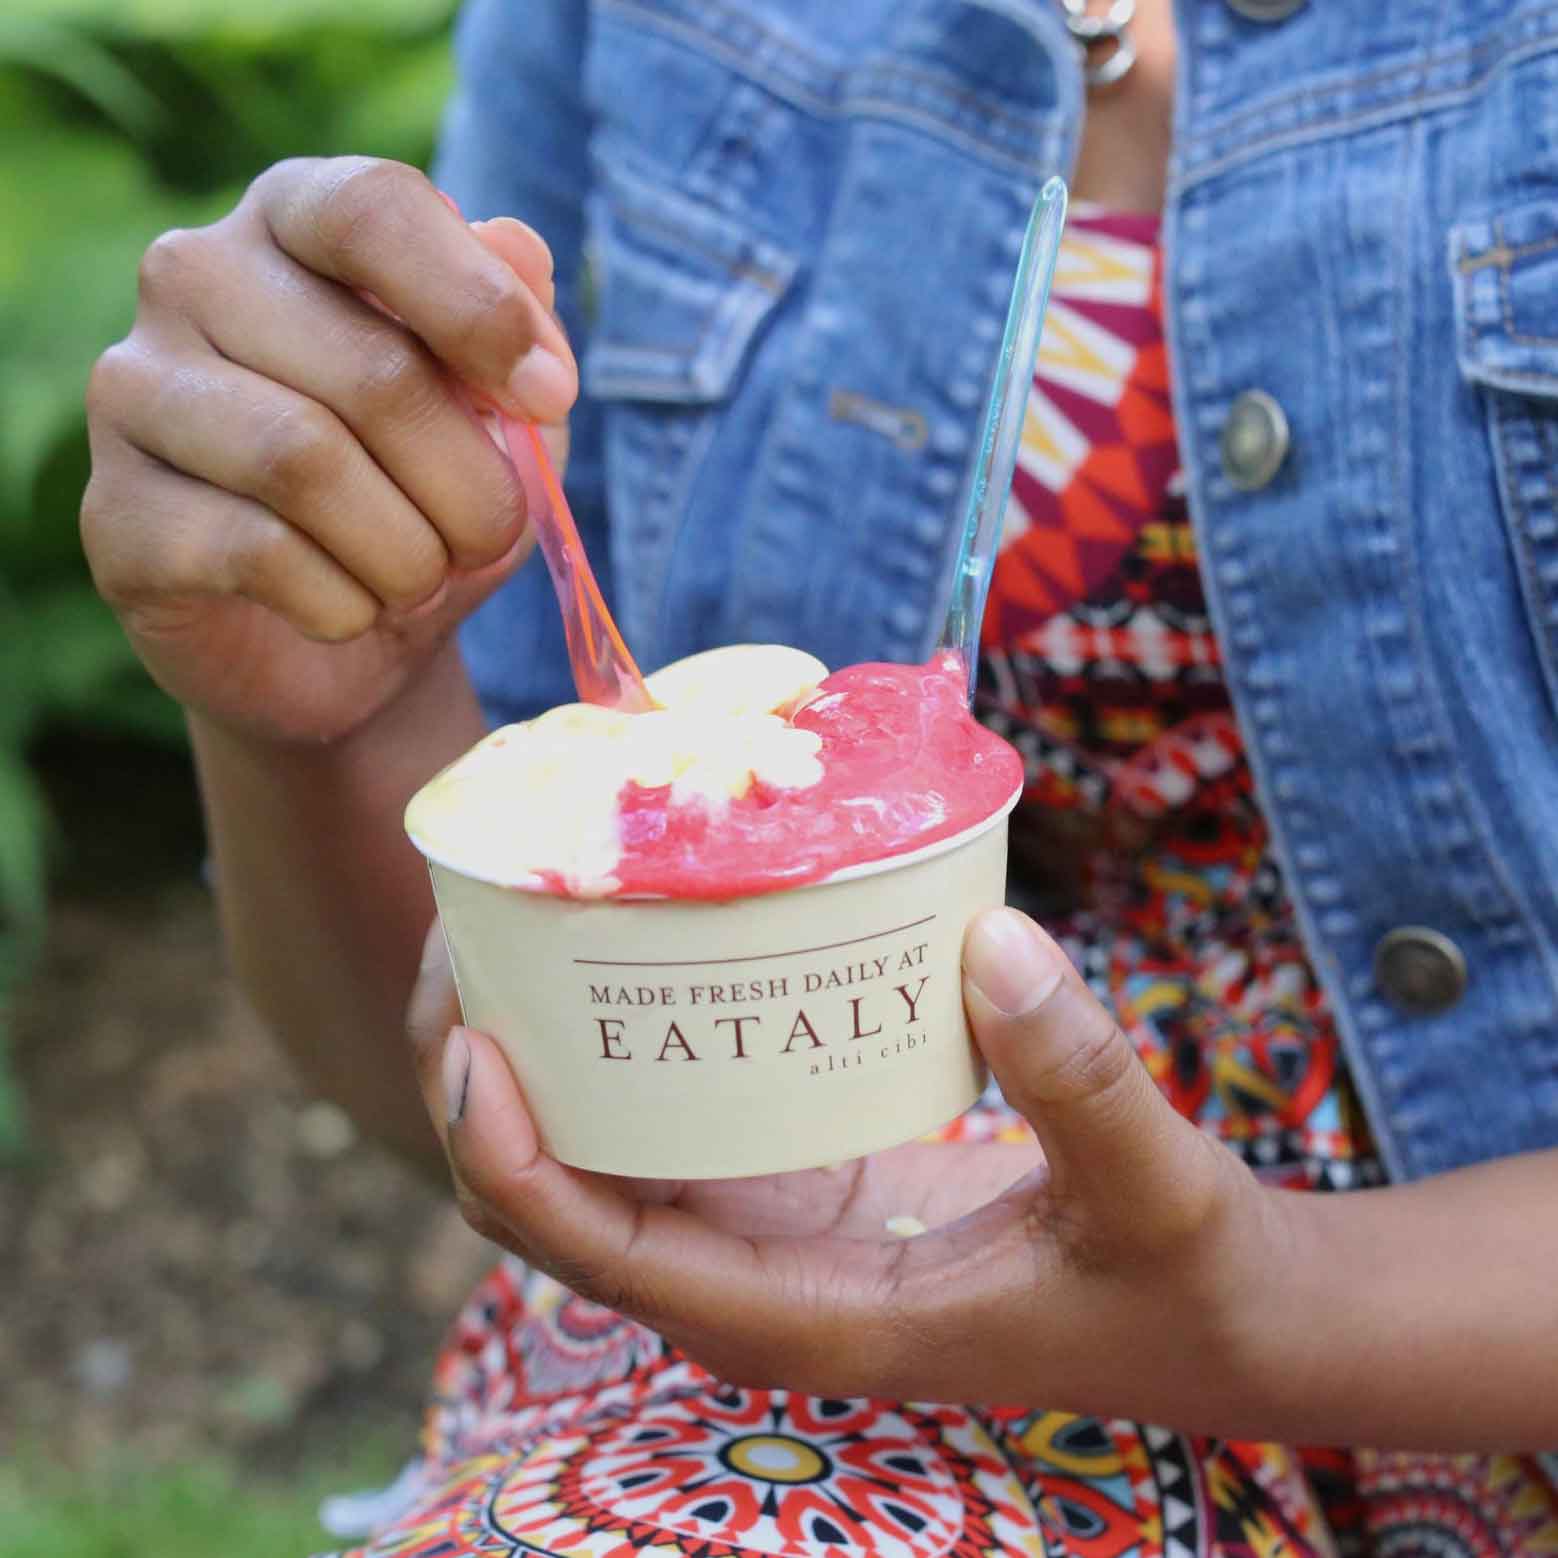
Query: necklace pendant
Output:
(1093,35)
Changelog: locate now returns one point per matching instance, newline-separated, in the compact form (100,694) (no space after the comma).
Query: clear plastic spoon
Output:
(990,476)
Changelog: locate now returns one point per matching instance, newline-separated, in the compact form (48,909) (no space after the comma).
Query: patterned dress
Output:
(558,1427)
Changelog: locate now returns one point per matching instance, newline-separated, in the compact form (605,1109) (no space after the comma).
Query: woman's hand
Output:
(1116,1273)
(292,502)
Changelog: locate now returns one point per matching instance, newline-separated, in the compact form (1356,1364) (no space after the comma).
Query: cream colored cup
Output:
(680,1039)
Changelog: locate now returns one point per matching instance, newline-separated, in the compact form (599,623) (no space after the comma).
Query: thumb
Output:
(431,1012)
(1115,1147)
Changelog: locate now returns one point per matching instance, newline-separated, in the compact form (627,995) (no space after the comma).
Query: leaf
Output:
(120,119)
(79,647)
(397,114)
(36,414)
(24,823)
(238,21)
(74,58)
(65,661)
(86,201)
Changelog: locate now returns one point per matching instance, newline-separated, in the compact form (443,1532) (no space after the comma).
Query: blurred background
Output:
(215,1302)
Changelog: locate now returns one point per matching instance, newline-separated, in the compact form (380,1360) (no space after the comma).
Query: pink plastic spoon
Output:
(603,669)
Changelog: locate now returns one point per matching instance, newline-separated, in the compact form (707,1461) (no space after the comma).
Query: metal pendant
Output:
(1094,34)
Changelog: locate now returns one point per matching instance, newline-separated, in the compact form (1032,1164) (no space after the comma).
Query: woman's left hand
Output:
(1120,1271)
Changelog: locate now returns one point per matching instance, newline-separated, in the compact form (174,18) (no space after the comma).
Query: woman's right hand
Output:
(292,502)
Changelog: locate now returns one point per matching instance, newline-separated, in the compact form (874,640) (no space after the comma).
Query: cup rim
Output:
(536,885)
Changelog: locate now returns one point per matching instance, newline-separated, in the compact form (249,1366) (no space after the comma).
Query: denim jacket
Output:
(785,233)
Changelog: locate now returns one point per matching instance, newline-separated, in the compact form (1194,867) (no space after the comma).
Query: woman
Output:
(1275,629)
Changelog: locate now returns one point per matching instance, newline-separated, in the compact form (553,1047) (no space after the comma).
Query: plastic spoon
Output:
(990,477)
(603,669)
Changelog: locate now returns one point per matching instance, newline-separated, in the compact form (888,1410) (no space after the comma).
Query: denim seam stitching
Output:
(1502,416)
(1265,108)
(1189,329)
(1502,254)
(1478,857)
(863,104)
(795,93)
(962,96)
(1478,330)
(1503,377)
(1505,270)
(774,280)
(1421,106)
(1511,888)
(816,63)
(1040,157)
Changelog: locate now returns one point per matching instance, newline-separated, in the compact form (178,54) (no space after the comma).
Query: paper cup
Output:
(680,1039)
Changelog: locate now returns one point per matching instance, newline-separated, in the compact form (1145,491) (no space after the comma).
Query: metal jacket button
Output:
(1419,970)
(1255,440)
(1265,10)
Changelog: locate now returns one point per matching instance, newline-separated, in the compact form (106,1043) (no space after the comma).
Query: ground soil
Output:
(197,1257)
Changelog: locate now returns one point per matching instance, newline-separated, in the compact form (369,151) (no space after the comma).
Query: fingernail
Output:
(1008,963)
(513,224)
(435,950)
(542,385)
(457,1075)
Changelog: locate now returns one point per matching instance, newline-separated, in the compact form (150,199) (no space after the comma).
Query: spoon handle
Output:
(990,476)
(603,669)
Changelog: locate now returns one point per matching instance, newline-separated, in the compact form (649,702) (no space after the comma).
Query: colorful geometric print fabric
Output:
(561,1428)
(1099,656)
(558,1427)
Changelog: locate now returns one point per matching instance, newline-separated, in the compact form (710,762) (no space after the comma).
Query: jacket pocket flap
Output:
(683,290)
(1505,271)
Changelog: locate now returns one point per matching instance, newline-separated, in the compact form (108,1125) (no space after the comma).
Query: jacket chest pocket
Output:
(683,292)
(1505,273)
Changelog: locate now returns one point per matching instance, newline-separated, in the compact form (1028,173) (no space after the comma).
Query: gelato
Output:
(757,771)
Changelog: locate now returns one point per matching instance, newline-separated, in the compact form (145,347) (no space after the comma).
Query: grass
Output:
(190,1511)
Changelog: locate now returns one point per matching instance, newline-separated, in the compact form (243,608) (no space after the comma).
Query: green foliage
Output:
(183,1512)
(118,120)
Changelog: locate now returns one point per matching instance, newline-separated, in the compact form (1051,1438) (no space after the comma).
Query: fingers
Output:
(258,370)
(796,1311)
(273,317)
(155,534)
(1042,1277)
(835,1316)
(1121,1160)
(432,1011)
(582,1228)
(251,437)
(382,227)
